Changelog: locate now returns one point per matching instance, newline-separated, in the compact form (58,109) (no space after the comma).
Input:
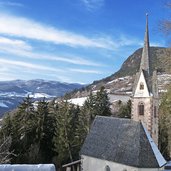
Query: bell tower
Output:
(145,92)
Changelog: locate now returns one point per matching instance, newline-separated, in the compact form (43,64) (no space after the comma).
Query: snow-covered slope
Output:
(78,101)
(13,92)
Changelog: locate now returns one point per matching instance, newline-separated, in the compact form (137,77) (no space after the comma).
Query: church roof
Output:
(145,61)
(123,141)
(144,65)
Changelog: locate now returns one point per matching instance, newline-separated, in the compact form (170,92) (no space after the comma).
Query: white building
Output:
(116,144)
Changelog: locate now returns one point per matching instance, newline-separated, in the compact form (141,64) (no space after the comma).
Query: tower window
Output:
(141,108)
(141,86)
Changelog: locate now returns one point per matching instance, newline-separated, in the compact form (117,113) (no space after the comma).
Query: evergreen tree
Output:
(5,140)
(66,137)
(165,124)
(22,130)
(97,104)
(84,123)
(75,112)
(6,128)
(5,154)
(89,110)
(46,131)
(63,138)
(102,103)
(124,109)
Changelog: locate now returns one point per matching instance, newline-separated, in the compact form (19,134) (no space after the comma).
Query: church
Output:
(145,92)
(128,144)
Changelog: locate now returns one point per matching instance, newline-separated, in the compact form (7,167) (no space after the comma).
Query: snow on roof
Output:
(27,167)
(161,161)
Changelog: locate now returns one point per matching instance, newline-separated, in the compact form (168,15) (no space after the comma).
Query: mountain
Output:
(13,92)
(121,82)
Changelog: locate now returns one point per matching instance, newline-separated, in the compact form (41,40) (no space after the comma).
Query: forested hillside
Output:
(50,133)
(122,80)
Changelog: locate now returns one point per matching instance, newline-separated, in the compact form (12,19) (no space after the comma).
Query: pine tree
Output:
(75,143)
(165,124)
(83,127)
(22,130)
(124,110)
(97,104)
(5,140)
(102,103)
(65,141)
(89,110)
(6,128)
(46,130)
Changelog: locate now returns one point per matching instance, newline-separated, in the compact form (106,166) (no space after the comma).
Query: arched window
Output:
(141,108)
(141,86)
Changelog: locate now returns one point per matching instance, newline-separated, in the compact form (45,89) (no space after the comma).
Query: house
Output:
(116,144)
(145,95)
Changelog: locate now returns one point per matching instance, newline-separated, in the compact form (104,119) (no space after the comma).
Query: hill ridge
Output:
(122,80)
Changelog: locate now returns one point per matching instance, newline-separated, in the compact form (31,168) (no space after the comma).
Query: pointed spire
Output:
(144,65)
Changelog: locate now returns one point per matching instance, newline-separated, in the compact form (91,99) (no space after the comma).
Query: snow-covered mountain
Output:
(13,92)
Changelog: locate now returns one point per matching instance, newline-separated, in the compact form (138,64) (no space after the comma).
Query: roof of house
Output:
(123,141)
(27,167)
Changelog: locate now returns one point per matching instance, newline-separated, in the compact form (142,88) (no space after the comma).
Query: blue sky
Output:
(73,40)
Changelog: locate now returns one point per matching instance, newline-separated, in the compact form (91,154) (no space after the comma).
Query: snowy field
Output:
(112,98)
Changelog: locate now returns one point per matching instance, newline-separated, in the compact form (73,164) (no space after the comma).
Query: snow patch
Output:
(107,90)
(118,79)
(11,94)
(39,95)
(3,105)
(110,82)
(78,101)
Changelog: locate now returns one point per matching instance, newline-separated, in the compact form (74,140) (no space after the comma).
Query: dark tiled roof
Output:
(119,140)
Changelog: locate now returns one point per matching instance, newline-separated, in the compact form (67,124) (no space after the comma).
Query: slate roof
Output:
(121,140)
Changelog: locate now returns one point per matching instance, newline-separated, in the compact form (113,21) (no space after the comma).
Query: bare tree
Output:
(165,24)
(5,154)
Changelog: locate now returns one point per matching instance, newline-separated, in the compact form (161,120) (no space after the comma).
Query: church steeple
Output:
(144,65)
(145,95)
